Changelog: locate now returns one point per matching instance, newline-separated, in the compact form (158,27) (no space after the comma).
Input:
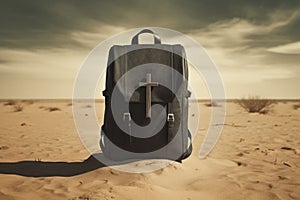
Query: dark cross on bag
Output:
(148,84)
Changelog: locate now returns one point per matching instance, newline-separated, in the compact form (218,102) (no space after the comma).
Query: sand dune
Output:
(42,157)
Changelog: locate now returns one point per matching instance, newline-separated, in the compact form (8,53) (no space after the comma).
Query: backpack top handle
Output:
(135,39)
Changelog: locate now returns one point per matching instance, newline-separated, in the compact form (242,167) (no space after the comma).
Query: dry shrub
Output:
(212,104)
(255,104)
(18,108)
(51,109)
(3,147)
(10,103)
(296,106)
(83,197)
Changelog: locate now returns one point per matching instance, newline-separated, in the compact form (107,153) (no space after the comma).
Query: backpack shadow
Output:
(49,169)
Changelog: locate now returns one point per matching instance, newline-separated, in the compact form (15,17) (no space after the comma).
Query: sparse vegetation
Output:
(83,197)
(3,147)
(18,108)
(15,105)
(255,104)
(10,103)
(296,106)
(212,104)
(51,109)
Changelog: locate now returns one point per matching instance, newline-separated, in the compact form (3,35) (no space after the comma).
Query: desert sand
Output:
(42,157)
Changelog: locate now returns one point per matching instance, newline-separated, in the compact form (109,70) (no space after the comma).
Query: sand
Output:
(42,157)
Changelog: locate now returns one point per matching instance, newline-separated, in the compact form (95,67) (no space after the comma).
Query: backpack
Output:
(146,102)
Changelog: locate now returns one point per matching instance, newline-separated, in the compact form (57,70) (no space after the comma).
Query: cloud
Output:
(244,59)
(291,48)
(90,39)
(35,24)
(40,73)
(48,72)
(48,40)
(244,33)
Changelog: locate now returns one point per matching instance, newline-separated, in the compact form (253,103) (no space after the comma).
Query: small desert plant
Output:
(255,104)
(3,147)
(51,109)
(296,106)
(212,104)
(10,103)
(18,108)
(83,197)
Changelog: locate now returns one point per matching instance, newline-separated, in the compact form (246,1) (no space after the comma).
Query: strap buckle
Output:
(126,116)
(171,118)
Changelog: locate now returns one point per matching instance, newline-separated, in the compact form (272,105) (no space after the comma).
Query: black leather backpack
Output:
(140,78)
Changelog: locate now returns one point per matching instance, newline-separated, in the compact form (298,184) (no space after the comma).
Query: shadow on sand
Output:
(47,169)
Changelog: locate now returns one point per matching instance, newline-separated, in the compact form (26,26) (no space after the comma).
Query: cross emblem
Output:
(148,84)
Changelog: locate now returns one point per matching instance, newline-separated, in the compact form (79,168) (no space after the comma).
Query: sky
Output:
(255,44)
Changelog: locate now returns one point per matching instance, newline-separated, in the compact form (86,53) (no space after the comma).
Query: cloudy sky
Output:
(255,44)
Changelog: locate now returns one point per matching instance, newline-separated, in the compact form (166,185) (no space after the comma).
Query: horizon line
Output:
(103,99)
